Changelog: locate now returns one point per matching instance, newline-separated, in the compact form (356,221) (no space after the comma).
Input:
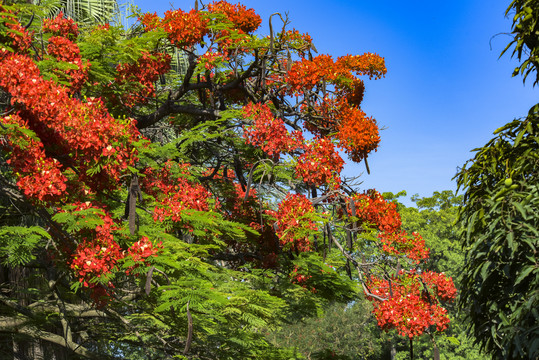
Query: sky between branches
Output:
(445,92)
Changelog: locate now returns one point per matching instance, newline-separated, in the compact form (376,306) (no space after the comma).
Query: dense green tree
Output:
(344,332)
(500,285)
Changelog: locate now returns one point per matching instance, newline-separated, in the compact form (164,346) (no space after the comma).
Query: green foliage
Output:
(526,36)
(17,244)
(499,218)
(345,332)
(84,11)
(499,232)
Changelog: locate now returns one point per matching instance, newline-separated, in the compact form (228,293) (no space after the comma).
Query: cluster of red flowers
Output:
(211,59)
(174,192)
(320,164)
(65,50)
(410,305)
(305,74)
(97,256)
(60,26)
(98,253)
(139,77)
(357,134)
(268,132)
(62,47)
(141,250)
(397,243)
(374,210)
(352,92)
(368,64)
(78,134)
(441,285)
(294,224)
(39,176)
(243,19)
(186,29)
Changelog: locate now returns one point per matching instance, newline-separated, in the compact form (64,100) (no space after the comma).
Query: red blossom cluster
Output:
(442,285)
(294,223)
(211,59)
(65,50)
(140,76)
(373,210)
(320,164)
(141,250)
(60,26)
(305,74)
(368,64)
(75,133)
(400,243)
(410,305)
(357,133)
(174,192)
(352,92)
(184,29)
(268,132)
(98,253)
(39,176)
(97,256)
(243,19)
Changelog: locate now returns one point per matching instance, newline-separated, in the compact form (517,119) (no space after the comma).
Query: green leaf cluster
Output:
(500,285)
(525,31)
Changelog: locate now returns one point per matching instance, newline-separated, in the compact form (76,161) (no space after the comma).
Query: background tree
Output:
(500,290)
(345,332)
(184,213)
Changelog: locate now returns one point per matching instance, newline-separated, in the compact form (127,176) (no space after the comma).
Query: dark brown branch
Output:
(357,266)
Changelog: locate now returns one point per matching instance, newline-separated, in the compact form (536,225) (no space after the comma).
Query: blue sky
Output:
(445,92)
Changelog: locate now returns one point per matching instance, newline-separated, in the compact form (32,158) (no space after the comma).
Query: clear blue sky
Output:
(445,92)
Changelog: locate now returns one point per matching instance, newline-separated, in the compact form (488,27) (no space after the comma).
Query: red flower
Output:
(293,222)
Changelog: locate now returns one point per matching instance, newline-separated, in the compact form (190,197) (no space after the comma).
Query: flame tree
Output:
(176,189)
